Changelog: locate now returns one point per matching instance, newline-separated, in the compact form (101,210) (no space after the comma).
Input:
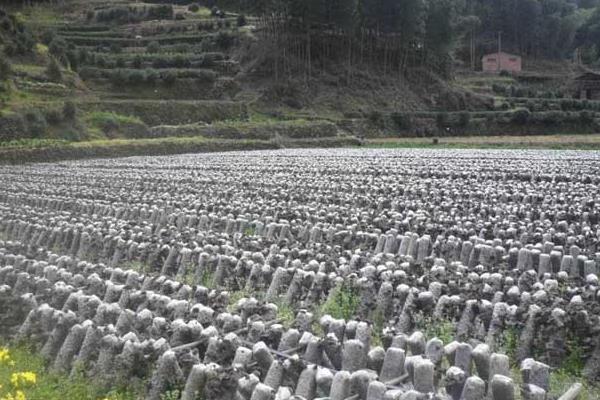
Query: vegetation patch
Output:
(114,125)
(23,376)
(342,303)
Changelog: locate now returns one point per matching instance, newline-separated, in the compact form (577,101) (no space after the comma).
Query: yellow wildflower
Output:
(4,355)
(19,395)
(19,379)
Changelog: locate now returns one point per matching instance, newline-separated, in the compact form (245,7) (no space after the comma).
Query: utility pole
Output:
(499,48)
(472,50)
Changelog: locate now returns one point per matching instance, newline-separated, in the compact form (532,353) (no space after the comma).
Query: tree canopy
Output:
(398,33)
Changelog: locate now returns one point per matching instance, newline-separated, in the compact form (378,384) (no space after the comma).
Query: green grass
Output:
(561,381)
(32,143)
(101,119)
(49,385)
(203,12)
(550,142)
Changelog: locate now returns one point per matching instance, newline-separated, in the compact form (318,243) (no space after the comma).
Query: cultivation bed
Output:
(341,274)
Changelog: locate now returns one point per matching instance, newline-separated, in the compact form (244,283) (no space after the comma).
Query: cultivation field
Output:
(341,274)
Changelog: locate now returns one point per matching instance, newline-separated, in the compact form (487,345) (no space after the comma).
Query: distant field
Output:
(573,142)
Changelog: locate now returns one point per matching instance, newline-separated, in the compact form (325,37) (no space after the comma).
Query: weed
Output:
(208,279)
(343,303)
(189,278)
(285,313)
(441,329)
(135,265)
(236,296)
(573,364)
(509,342)
(377,329)
(171,395)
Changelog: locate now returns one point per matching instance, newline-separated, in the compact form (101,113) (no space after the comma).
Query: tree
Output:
(53,71)
(69,111)
(5,68)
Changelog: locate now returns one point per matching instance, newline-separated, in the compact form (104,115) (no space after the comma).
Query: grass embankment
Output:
(155,147)
(553,142)
(24,376)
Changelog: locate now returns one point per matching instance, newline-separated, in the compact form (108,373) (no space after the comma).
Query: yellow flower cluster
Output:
(18,395)
(4,356)
(20,379)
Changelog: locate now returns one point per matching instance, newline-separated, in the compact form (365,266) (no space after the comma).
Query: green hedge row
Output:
(147,76)
(172,112)
(261,131)
(219,37)
(148,60)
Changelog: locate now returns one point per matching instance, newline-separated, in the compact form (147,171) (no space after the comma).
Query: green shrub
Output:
(153,47)
(58,48)
(53,71)
(160,12)
(181,62)
(464,119)
(53,116)
(520,116)
(586,117)
(193,7)
(137,62)
(402,121)
(36,123)
(115,48)
(69,111)
(5,68)
(224,40)
(73,59)
(119,77)
(499,89)
(151,75)
(136,77)
(376,118)
(441,120)
(169,77)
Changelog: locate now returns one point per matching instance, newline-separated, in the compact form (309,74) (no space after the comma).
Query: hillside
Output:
(102,70)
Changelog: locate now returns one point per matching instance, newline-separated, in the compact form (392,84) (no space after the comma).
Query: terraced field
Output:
(341,274)
(140,71)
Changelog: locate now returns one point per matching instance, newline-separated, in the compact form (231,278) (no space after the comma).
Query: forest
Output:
(393,35)
(397,34)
